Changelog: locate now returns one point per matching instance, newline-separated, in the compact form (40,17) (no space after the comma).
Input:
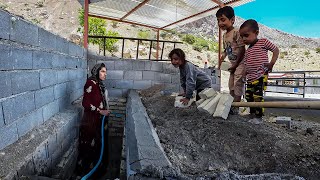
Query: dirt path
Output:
(203,146)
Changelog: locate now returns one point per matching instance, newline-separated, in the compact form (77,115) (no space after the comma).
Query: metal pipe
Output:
(281,104)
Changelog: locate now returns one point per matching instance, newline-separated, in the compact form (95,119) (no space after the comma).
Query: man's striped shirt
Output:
(256,57)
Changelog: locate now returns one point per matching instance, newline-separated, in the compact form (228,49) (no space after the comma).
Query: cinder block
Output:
(44,96)
(84,64)
(141,84)
(91,64)
(124,84)
(166,78)
(157,66)
(72,75)
(62,45)
(41,160)
(18,106)
(109,64)
(42,60)
(8,135)
(20,58)
(284,120)
(138,65)
(168,68)
(203,104)
(1,116)
(72,62)
(59,61)
(4,25)
(63,76)
(147,65)
(115,92)
(133,75)
(63,102)
(5,84)
(5,61)
(29,121)
(212,105)
(223,106)
(123,65)
(115,74)
(110,83)
(200,102)
(175,79)
(50,109)
(148,75)
(60,90)
(71,86)
(207,93)
(47,40)
(74,50)
(48,78)
(23,32)
(76,95)
(22,81)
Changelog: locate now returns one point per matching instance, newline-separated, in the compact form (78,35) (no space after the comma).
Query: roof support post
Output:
(158,35)
(219,55)
(86,24)
(221,4)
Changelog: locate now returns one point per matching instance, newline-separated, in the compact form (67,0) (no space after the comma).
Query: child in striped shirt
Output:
(257,64)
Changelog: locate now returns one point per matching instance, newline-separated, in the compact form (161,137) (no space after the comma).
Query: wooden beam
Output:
(157,48)
(86,24)
(124,21)
(134,9)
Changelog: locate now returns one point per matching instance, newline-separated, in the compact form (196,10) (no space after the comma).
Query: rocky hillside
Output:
(61,17)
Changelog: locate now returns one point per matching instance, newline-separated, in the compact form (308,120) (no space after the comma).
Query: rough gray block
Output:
(18,106)
(124,84)
(175,79)
(147,65)
(48,78)
(62,45)
(62,76)
(5,84)
(138,65)
(142,84)
(79,74)
(72,63)
(76,94)
(91,63)
(42,60)
(47,40)
(4,25)
(23,32)
(8,135)
(168,68)
(1,116)
(23,81)
(64,102)
(115,92)
(41,160)
(60,90)
(84,64)
(109,64)
(28,122)
(74,50)
(166,78)
(133,75)
(148,75)
(123,65)
(15,58)
(50,109)
(157,66)
(110,83)
(59,61)
(44,96)
(72,74)
(115,74)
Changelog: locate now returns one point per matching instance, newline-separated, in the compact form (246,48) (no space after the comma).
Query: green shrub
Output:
(294,46)
(200,44)
(144,34)
(213,46)
(283,54)
(307,53)
(318,50)
(114,24)
(188,38)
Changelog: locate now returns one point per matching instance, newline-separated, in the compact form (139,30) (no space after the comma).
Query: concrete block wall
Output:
(41,74)
(123,75)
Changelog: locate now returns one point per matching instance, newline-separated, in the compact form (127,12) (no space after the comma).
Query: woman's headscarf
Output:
(95,76)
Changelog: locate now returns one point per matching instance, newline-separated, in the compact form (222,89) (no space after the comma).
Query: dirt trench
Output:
(202,146)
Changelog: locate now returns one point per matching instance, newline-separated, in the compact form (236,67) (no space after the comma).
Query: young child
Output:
(234,49)
(257,64)
(191,77)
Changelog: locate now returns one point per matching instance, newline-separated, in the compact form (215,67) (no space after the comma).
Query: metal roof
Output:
(158,14)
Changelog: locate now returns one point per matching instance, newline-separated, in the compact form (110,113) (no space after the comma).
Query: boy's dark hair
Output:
(227,11)
(251,23)
(179,53)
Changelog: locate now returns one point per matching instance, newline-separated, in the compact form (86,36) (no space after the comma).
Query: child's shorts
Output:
(237,80)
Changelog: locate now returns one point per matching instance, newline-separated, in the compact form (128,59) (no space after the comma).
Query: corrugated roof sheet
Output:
(158,13)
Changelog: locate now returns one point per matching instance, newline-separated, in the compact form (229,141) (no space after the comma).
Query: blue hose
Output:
(101,153)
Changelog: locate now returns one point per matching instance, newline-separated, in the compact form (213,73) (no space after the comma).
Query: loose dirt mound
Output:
(203,146)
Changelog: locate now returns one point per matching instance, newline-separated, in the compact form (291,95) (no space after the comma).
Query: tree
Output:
(98,27)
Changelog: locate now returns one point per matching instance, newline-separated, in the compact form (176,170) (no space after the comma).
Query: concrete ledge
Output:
(39,151)
(143,147)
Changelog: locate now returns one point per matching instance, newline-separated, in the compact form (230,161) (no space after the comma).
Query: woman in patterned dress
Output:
(94,104)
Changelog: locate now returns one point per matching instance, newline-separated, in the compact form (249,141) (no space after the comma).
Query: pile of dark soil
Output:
(202,146)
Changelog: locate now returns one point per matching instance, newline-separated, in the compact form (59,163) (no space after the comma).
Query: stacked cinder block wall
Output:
(41,75)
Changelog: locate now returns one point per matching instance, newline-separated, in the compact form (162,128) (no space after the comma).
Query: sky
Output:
(298,17)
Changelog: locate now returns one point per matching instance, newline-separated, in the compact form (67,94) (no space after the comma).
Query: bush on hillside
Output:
(318,50)
(200,44)
(188,38)
(294,46)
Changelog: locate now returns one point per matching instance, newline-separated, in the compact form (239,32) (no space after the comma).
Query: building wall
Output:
(41,74)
